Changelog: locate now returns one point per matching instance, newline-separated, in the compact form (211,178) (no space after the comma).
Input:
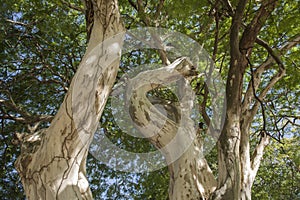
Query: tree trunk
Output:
(190,175)
(236,175)
(52,163)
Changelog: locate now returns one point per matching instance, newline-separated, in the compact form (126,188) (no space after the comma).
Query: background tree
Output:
(38,64)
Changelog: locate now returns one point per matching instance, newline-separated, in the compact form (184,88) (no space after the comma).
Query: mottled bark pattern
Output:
(236,175)
(190,175)
(52,162)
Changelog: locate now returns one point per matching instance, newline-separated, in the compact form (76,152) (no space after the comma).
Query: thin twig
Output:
(270,51)
(68,4)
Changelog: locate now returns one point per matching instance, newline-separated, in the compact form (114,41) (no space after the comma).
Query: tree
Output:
(247,92)
(60,172)
(286,176)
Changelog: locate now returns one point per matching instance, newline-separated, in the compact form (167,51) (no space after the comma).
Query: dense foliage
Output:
(42,43)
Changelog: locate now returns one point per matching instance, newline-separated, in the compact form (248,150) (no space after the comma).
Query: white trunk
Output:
(52,162)
(190,175)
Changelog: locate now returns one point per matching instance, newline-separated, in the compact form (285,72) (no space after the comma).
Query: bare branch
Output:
(72,6)
(16,22)
(258,100)
(6,116)
(270,51)
(12,105)
(24,117)
(264,92)
(256,76)
(293,122)
(32,120)
(290,116)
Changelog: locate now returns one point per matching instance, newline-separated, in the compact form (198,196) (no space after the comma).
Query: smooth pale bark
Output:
(52,162)
(190,175)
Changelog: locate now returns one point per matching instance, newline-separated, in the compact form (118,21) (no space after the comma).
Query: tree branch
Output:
(292,42)
(270,51)
(25,117)
(12,105)
(254,84)
(203,106)
(264,92)
(235,27)
(251,31)
(229,7)
(150,120)
(16,22)
(133,4)
(258,100)
(258,154)
(35,119)
(158,9)
(72,6)
(145,18)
